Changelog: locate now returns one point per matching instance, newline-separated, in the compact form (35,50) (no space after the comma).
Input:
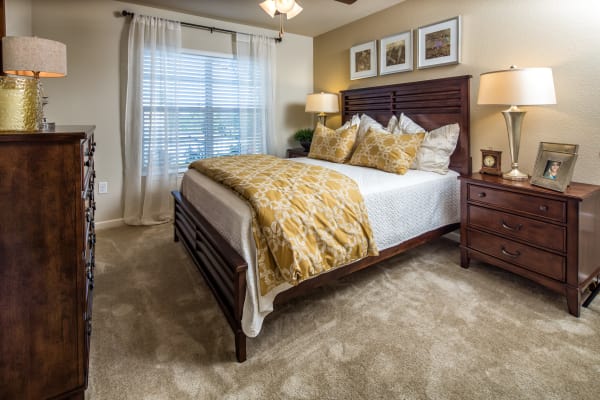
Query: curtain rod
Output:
(212,29)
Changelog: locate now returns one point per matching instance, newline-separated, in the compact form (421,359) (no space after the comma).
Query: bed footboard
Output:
(223,269)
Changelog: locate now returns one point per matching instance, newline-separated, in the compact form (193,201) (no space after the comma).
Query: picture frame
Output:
(363,60)
(396,53)
(554,165)
(439,43)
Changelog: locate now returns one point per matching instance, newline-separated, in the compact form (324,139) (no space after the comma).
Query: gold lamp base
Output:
(20,105)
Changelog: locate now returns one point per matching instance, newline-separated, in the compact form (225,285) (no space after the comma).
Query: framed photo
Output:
(439,43)
(395,53)
(554,165)
(363,60)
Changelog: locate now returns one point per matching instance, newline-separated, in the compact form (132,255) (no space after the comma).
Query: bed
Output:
(215,245)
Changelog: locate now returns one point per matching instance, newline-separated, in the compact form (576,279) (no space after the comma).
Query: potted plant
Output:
(304,136)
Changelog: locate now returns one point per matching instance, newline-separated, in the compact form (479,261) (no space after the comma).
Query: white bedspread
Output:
(400,207)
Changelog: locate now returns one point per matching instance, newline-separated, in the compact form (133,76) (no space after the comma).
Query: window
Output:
(208,101)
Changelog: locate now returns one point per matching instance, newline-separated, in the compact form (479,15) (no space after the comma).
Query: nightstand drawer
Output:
(526,229)
(530,258)
(521,203)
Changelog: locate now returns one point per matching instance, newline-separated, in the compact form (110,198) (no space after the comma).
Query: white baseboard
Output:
(111,223)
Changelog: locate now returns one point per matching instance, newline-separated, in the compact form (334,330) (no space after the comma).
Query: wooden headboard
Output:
(431,104)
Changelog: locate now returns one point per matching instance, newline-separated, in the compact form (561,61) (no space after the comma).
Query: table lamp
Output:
(322,103)
(516,87)
(37,58)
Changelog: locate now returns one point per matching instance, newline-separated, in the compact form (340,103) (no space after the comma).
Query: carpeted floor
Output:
(415,327)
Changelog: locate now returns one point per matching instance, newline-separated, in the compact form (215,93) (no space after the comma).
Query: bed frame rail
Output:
(223,269)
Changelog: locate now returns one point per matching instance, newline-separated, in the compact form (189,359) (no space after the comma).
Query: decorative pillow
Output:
(355,120)
(392,124)
(436,149)
(407,126)
(331,145)
(390,153)
(366,122)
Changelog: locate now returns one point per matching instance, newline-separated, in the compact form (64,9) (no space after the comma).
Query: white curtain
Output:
(256,66)
(149,178)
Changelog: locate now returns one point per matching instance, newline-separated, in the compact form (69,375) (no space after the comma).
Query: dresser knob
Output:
(543,208)
(515,228)
(509,254)
(481,194)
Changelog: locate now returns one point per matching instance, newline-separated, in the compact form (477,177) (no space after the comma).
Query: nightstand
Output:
(297,152)
(549,237)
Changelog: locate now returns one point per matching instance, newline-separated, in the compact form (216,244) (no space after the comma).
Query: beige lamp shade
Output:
(34,56)
(322,103)
(517,86)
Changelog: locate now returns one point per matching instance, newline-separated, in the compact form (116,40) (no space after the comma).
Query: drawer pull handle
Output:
(516,228)
(543,208)
(509,254)
(481,194)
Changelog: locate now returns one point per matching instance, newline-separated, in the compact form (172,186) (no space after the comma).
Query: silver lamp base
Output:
(514,119)
(515,175)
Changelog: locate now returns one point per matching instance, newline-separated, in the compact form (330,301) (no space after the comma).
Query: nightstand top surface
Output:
(575,189)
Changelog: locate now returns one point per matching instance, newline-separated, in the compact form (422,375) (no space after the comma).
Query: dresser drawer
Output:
(530,258)
(533,231)
(523,203)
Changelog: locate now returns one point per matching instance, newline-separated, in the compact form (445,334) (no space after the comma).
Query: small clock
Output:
(490,162)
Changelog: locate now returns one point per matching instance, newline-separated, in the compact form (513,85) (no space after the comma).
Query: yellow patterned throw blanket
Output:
(307,219)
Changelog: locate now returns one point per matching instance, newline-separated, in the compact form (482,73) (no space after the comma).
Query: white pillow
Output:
(392,124)
(366,122)
(407,126)
(436,148)
(355,120)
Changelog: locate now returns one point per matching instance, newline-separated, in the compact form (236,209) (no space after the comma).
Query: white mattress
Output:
(400,207)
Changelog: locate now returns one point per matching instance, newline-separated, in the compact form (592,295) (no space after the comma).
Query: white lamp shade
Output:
(294,11)
(518,87)
(322,103)
(285,6)
(24,55)
(269,7)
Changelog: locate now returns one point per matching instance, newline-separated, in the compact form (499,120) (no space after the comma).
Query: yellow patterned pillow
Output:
(331,145)
(387,152)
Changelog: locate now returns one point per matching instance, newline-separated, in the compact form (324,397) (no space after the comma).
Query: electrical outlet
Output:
(102,187)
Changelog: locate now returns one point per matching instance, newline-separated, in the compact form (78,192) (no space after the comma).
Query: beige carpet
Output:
(416,327)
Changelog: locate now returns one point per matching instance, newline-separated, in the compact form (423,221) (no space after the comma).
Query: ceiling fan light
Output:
(284,6)
(294,11)
(268,6)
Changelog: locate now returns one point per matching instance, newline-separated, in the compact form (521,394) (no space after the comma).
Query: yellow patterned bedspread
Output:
(306,219)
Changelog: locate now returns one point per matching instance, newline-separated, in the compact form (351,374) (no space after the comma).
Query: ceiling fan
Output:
(288,7)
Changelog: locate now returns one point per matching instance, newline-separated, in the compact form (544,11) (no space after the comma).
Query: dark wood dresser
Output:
(46,262)
(549,237)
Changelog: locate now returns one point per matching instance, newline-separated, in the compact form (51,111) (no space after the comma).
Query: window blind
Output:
(207,101)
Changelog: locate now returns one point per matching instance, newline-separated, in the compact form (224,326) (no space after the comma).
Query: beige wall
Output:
(497,33)
(18,17)
(91,92)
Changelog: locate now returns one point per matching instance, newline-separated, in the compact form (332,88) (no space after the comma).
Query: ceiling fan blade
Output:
(346,1)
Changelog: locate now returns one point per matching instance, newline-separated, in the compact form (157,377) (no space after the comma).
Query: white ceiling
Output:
(318,16)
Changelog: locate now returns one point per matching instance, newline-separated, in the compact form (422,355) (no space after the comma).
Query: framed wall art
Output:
(363,60)
(395,53)
(554,165)
(439,43)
